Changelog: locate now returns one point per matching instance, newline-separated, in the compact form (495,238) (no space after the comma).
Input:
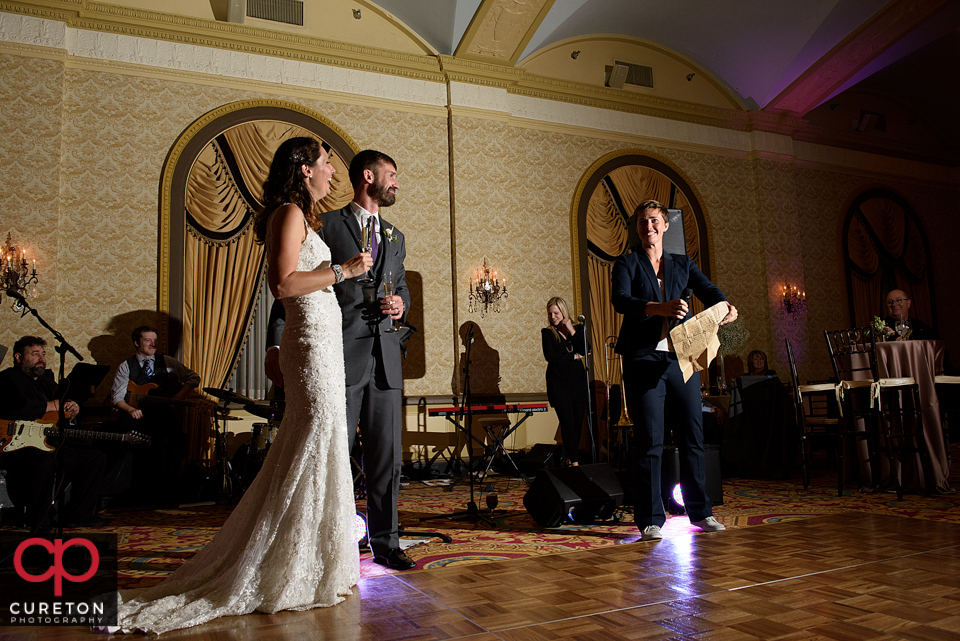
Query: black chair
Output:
(812,416)
(944,382)
(878,402)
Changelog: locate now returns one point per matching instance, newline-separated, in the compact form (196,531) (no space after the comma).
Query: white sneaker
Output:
(709,524)
(652,533)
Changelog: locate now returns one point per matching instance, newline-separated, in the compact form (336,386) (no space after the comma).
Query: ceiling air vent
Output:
(287,11)
(638,74)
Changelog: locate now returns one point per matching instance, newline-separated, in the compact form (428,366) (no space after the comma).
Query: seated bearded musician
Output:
(30,404)
(146,391)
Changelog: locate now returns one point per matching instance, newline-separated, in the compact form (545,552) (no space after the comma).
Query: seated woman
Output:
(757,365)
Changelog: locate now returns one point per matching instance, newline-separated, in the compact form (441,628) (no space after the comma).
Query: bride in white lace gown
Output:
(290,544)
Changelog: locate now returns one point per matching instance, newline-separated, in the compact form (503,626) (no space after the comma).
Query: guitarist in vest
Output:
(154,378)
(27,392)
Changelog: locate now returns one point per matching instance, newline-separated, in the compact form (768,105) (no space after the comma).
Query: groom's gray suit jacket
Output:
(363,321)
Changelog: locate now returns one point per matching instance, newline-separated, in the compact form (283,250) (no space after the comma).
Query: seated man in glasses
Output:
(898,307)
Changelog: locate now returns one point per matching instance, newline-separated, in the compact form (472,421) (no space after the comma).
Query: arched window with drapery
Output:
(212,270)
(610,192)
(885,248)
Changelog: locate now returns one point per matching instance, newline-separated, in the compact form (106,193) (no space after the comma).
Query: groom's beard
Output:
(383,195)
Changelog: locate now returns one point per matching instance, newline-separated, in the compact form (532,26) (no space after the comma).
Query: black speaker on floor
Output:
(585,493)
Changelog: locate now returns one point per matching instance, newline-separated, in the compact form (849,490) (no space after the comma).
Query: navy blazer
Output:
(635,285)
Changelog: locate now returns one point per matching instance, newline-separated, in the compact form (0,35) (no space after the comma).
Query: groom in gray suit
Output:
(371,355)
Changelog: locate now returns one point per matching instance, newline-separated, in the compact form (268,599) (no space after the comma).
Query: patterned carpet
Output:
(156,542)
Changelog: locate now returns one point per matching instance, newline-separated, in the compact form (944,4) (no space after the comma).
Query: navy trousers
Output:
(652,384)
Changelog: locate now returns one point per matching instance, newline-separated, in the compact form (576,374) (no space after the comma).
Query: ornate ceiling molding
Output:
(87,32)
(841,63)
(501,29)
(141,23)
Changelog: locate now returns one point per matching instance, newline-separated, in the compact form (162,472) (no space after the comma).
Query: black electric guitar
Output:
(21,434)
(137,394)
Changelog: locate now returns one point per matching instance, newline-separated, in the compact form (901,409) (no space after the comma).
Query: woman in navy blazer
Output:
(648,289)
(564,345)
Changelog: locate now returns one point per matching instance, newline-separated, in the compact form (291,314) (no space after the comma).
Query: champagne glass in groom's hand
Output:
(388,291)
(367,232)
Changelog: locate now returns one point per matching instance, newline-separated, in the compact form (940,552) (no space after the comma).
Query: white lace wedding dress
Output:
(290,544)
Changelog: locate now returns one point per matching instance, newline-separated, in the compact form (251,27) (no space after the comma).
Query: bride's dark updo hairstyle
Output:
(284,183)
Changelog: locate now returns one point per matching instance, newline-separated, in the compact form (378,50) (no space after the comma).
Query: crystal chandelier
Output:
(487,291)
(18,279)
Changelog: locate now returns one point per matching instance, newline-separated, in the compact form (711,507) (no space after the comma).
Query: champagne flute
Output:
(903,328)
(367,232)
(388,291)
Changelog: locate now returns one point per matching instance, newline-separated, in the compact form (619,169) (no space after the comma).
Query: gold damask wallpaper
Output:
(106,164)
(82,152)
(31,104)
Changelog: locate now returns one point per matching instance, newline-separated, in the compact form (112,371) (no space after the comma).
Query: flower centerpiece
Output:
(883,331)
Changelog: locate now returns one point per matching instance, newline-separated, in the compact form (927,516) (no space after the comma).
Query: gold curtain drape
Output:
(885,250)
(223,265)
(606,322)
(636,184)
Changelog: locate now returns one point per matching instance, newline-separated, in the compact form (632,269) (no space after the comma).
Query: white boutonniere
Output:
(390,235)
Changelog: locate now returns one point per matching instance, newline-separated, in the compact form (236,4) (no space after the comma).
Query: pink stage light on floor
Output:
(361,528)
(678,495)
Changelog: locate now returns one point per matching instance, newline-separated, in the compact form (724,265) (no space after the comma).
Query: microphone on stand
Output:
(581,318)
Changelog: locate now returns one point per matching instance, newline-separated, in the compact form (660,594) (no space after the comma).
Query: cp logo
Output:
(56,570)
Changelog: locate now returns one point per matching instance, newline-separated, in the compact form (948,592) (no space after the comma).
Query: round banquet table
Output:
(921,360)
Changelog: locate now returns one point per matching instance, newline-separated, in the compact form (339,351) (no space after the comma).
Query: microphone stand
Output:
(62,348)
(586,373)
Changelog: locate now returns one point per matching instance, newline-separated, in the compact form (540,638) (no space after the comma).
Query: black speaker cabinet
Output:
(586,493)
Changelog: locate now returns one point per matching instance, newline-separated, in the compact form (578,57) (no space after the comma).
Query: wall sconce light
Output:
(356,14)
(575,54)
(16,277)
(690,76)
(793,301)
(487,291)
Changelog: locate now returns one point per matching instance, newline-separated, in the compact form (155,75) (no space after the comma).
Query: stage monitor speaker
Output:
(585,494)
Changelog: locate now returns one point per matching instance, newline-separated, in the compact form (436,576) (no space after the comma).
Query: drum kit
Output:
(238,472)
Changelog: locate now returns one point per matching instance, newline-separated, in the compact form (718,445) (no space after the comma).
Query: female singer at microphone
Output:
(564,345)
(648,289)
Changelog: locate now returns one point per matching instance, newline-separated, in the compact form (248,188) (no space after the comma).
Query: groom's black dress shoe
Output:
(395,559)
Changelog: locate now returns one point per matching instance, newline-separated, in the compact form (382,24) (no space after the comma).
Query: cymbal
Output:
(228,395)
(264,411)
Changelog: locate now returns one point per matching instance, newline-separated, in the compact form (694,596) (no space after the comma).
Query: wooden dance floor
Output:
(839,576)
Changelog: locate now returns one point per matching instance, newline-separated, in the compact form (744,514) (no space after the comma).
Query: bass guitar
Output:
(21,434)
